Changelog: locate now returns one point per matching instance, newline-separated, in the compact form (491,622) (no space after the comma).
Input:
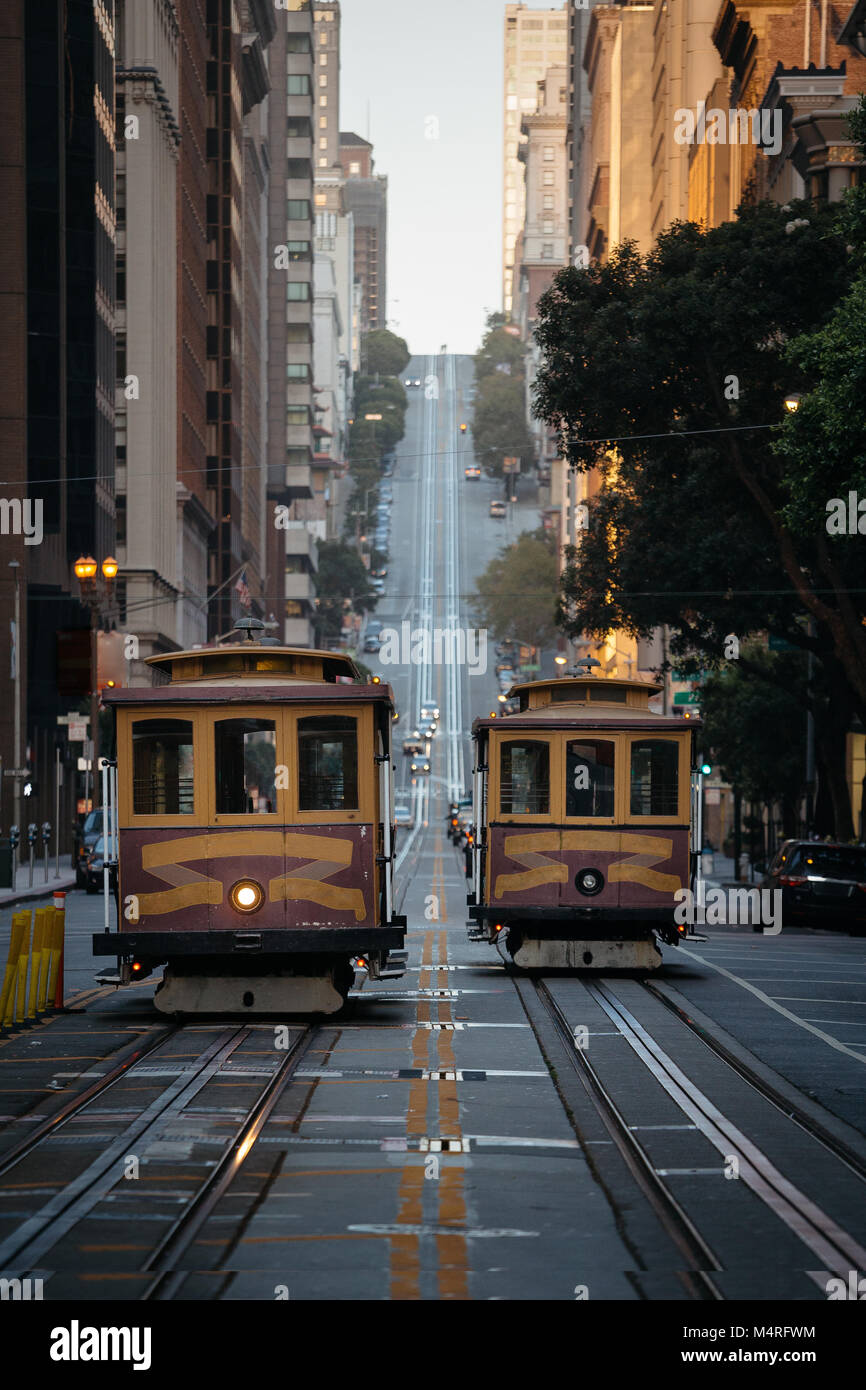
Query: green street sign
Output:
(687,697)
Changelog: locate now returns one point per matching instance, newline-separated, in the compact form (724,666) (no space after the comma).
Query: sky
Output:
(405,61)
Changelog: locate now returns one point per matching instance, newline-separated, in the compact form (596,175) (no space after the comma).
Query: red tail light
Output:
(793,881)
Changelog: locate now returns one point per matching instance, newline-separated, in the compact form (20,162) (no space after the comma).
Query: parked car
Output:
(93,867)
(822,885)
(374,625)
(403,815)
(377,585)
(380,572)
(497,507)
(86,836)
(472,474)
(372,642)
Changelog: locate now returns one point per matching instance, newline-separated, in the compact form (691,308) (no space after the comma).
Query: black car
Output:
(93,867)
(85,838)
(822,885)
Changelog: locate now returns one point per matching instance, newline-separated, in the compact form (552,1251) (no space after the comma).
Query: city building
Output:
(57,289)
(535,40)
(146,394)
(365,196)
(290,416)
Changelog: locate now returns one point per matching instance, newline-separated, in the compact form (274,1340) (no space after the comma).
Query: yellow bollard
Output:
(35,957)
(54,964)
(7,996)
(45,960)
(23,958)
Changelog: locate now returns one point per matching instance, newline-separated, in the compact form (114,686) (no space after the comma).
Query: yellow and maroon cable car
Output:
(583,807)
(254,830)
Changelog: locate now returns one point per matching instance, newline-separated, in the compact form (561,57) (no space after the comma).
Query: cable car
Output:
(584,801)
(254,832)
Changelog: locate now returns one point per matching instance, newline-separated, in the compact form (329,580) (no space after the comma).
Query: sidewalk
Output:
(722,874)
(22,892)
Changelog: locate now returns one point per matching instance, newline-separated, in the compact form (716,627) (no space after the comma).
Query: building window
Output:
(548,154)
(297,415)
(547,228)
(323,123)
(298,210)
(297,290)
(298,84)
(549,201)
(354,167)
(547,251)
(548,178)
(298,250)
(323,59)
(323,82)
(323,161)
(323,101)
(298,371)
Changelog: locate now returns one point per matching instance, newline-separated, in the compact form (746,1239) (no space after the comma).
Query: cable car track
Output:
(25,1248)
(686,1238)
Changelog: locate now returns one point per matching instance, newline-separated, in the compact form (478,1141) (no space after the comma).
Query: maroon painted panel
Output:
(313,876)
(537,866)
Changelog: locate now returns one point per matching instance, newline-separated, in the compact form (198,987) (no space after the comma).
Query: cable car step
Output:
(394,967)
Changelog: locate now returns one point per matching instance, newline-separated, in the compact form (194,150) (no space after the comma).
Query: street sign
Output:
(73,718)
(687,697)
(77,731)
(16,772)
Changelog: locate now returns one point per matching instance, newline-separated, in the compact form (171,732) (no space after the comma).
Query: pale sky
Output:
(410,60)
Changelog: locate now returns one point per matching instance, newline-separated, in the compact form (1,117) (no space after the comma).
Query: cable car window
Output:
(589,778)
(654,777)
(524,779)
(162,767)
(328,763)
(245,755)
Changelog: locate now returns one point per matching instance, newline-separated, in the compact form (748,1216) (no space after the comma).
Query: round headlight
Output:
(247,896)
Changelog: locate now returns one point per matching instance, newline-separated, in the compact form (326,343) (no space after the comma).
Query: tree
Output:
(342,584)
(382,351)
(668,372)
(501,351)
(516,594)
(499,428)
(754,729)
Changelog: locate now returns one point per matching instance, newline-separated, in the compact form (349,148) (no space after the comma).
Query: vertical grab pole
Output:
(106,837)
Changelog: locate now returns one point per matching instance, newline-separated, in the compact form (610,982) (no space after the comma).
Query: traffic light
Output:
(462,429)
(706,768)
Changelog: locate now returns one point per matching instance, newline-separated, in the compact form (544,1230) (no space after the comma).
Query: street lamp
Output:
(96,598)
(792,402)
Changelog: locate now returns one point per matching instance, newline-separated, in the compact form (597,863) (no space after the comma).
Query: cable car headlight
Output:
(247,896)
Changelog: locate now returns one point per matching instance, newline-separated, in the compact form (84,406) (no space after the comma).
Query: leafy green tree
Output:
(502,351)
(668,373)
(516,594)
(342,580)
(499,428)
(382,351)
(754,727)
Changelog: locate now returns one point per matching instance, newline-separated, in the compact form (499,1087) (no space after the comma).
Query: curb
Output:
(44,890)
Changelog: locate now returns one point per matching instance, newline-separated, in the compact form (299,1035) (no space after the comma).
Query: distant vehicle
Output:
(410,381)
(403,815)
(85,838)
(415,746)
(377,585)
(372,643)
(472,474)
(429,712)
(388,468)
(419,769)
(822,885)
(429,730)
(417,381)
(497,507)
(380,572)
(374,625)
(93,867)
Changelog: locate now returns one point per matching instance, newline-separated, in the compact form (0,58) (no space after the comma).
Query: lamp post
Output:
(96,597)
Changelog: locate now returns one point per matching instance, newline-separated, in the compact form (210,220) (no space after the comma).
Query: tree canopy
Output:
(668,373)
(382,351)
(516,594)
(342,584)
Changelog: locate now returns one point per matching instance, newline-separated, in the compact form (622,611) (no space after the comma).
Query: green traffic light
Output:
(706,769)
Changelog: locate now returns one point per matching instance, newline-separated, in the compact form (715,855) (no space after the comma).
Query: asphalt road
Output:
(442,1141)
